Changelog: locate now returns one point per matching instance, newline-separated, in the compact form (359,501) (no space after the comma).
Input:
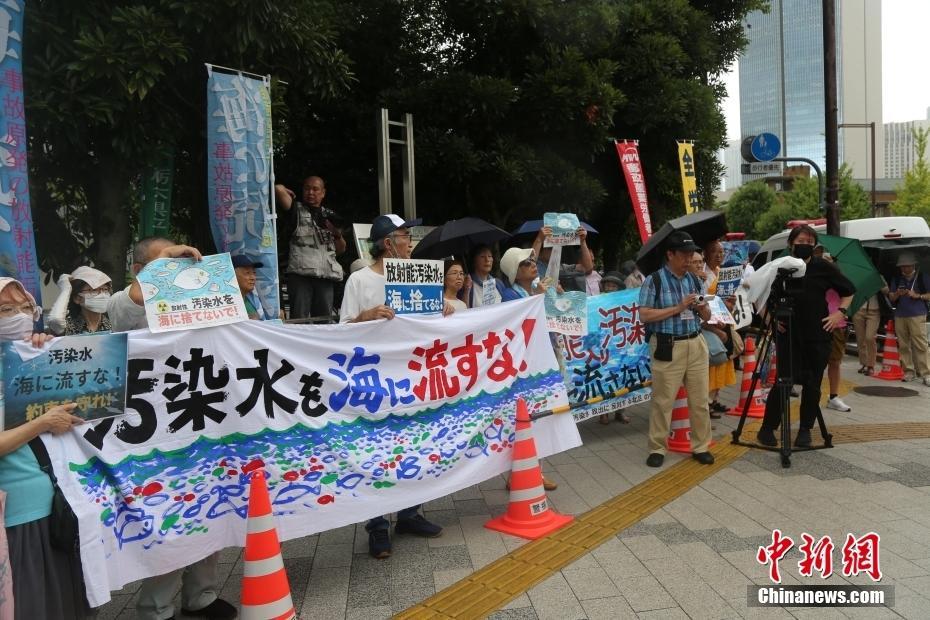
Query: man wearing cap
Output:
(246,277)
(364,300)
(909,294)
(199,582)
(315,241)
(669,305)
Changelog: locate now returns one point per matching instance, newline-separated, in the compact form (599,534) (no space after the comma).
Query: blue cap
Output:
(241,260)
(384,225)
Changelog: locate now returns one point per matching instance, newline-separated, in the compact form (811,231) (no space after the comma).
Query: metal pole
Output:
(874,193)
(830,116)
(384,164)
(408,166)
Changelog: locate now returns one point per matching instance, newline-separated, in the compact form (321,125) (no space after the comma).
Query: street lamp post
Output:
(870,126)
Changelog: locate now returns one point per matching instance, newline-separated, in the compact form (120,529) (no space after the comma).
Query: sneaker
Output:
(418,526)
(766,437)
(379,543)
(908,376)
(549,485)
(655,460)
(217,610)
(837,404)
(803,440)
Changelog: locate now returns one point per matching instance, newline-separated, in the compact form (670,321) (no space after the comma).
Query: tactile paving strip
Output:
(492,587)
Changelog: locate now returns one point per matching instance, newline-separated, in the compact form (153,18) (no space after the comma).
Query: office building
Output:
(900,150)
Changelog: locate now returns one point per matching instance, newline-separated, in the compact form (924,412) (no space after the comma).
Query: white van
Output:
(874,232)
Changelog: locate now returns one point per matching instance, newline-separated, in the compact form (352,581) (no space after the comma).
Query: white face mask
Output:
(97,303)
(15,327)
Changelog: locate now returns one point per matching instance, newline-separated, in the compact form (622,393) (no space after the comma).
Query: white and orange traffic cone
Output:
(266,594)
(757,406)
(891,362)
(528,513)
(679,436)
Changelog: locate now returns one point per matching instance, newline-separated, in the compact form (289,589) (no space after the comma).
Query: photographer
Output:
(811,335)
(671,304)
(315,241)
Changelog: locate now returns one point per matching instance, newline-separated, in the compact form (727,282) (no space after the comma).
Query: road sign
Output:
(765,167)
(765,147)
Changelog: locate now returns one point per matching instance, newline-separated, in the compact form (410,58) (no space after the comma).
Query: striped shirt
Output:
(673,290)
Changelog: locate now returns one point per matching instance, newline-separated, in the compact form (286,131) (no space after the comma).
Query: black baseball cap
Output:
(241,260)
(679,240)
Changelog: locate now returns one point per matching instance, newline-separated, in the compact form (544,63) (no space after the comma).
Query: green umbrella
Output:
(856,265)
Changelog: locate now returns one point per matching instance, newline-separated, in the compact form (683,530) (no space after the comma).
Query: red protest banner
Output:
(628,152)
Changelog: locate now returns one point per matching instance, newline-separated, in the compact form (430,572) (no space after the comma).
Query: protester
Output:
(593,282)
(720,375)
(485,289)
(245,275)
(47,581)
(364,300)
(611,282)
(81,306)
(199,582)
(909,293)
(453,281)
(573,275)
(634,278)
(669,305)
(520,268)
(315,242)
(811,336)
(866,322)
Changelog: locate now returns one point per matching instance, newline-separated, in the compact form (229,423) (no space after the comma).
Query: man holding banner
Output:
(669,301)
(199,582)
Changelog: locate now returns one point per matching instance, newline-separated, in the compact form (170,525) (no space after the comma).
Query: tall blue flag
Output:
(17,241)
(239,174)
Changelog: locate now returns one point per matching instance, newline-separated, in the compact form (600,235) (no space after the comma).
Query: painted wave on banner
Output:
(162,495)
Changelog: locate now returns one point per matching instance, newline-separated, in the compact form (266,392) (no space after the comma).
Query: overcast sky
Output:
(905,76)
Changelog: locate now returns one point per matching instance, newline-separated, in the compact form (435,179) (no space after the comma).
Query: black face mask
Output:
(802,251)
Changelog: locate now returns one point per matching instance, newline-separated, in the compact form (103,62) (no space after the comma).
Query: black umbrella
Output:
(703,226)
(458,237)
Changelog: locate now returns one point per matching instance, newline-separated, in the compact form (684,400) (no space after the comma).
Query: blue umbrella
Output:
(533,226)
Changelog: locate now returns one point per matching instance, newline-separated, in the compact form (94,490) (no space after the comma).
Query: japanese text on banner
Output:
(414,286)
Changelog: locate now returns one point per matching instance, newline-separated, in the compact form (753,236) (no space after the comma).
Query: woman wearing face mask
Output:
(81,307)
(47,582)
(811,336)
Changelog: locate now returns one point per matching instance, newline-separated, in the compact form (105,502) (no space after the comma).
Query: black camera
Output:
(785,287)
(321,215)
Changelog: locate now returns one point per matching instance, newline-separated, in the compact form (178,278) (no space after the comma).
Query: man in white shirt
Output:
(200,584)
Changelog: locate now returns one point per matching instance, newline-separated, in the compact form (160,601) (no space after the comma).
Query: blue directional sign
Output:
(765,147)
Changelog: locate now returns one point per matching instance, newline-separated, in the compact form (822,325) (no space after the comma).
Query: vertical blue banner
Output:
(239,176)
(17,241)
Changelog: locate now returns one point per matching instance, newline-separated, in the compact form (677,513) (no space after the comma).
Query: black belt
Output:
(688,337)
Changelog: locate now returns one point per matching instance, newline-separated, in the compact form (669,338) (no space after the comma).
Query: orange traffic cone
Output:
(679,437)
(266,594)
(528,514)
(891,365)
(757,406)
(773,369)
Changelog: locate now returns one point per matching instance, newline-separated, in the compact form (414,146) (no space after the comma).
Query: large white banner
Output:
(350,421)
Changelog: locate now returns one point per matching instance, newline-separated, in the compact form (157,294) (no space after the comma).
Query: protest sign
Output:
(719,313)
(567,313)
(609,368)
(182,293)
(564,229)
(737,252)
(413,286)
(728,279)
(349,421)
(88,370)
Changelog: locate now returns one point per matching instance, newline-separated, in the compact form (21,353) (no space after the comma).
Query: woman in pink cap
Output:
(81,307)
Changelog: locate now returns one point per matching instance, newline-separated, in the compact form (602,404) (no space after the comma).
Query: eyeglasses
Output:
(527,263)
(397,234)
(456,274)
(11,310)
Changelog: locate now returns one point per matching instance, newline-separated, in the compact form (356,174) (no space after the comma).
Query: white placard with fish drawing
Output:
(182,293)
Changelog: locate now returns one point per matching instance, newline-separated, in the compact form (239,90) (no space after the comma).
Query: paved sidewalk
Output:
(691,559)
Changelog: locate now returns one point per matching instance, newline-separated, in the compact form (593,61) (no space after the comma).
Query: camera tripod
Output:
(779,312)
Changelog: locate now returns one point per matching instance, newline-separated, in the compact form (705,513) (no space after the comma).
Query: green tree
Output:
(110,82)
(804,198)
(914,193)
(747,204)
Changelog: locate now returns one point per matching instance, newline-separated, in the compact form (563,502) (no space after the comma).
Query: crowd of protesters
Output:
(673,304)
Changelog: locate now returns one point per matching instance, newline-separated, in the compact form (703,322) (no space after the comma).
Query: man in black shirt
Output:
(811,337)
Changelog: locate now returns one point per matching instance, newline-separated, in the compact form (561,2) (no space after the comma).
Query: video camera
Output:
(785,288)
(322,214)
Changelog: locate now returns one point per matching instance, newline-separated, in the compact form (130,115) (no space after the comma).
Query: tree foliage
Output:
(914,193)
(515,103)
